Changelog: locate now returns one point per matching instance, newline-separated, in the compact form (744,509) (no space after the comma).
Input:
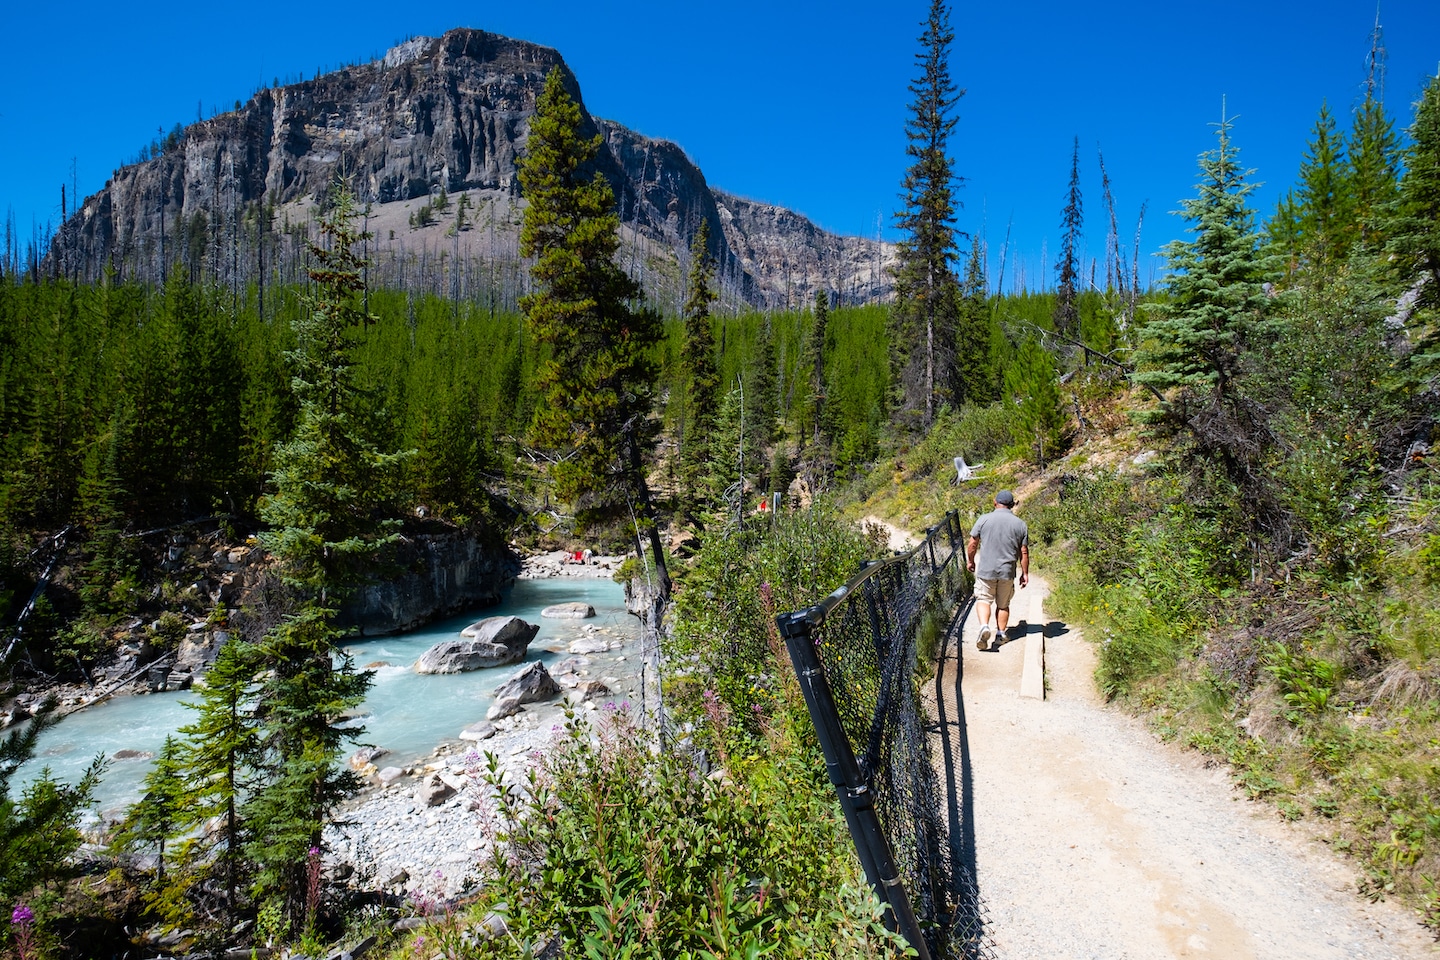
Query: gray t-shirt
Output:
(1001,535)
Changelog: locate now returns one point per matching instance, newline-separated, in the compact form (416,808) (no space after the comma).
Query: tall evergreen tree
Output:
(700,376)
(1038,421)
(815,431)
(973,380)
(1067,314)
(598,382)
(331,484)
(1413,228)
(1327,221)
(1283,232)
(922,326)
(221,748)
(1195,340)
(1374,153)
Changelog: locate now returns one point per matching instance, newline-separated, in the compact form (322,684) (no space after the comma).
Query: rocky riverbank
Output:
(425,828)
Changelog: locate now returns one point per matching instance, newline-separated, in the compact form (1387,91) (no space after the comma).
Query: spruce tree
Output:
(1283,232)
(1194,341)
(922,320)
(1374,168)
(1038,421)
(1327,220)
(735,458)
(1067,315)
(330,486)
(1413,228)
(812,368)
(700,376)
(597,383)
(157,816)
(973,380)
(221,750)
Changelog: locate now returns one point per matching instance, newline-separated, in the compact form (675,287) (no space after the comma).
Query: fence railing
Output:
(856,655)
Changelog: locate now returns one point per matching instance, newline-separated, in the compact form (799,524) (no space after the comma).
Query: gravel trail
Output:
(1092,839)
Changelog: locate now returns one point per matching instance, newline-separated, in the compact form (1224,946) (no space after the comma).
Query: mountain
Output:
(231,199)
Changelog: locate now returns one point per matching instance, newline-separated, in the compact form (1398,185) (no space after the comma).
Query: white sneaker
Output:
(983,641)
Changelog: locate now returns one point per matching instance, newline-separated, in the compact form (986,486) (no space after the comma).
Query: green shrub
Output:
(617,851)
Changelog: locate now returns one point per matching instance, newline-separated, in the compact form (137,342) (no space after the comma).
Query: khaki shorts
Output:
(997,592)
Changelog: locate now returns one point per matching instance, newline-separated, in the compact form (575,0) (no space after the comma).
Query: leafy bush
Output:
(725,615)
(616,851)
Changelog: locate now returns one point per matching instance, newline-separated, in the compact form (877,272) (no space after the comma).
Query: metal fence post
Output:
(855,798)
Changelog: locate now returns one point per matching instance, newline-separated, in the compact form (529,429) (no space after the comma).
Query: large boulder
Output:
(492,642)
(530,685)
(568,611)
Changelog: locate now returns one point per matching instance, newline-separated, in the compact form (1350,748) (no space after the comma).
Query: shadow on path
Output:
(967,924)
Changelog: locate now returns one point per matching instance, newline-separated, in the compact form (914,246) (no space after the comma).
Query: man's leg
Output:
(1004,590)
(982,613)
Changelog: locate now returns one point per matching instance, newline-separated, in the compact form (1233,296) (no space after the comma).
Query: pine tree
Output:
(762,395)
(39,832)
(1327,220)
(1283,232)
(1067,316)
(330,485)
(221,749)
(110,566)
(922,325)
(1374,168)
(698,371)
(973,380)
(1195,340)
(1413,227)
(157,816)
(812,368)
(1038,421)
(735,458)
(598,382)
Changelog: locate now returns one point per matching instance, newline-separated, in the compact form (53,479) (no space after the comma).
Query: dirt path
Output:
(899,539)
(1092,839)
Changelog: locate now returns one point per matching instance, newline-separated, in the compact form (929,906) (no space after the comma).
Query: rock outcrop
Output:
(492,642)
(444,575)
(449,113)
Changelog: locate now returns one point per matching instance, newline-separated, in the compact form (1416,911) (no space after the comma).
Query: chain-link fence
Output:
(859,655)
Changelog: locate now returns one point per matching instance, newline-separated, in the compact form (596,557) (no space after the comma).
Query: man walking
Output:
(997,543)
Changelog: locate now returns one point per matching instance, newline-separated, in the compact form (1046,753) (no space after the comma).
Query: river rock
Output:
(502,708)
(568,611)
(366,756)
(480,730)
(433,791)
(589,645)
(532,684)
(389,775)
(592,690)
(132,755)
(492,642)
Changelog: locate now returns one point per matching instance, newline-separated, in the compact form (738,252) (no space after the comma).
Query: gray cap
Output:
(1005,498)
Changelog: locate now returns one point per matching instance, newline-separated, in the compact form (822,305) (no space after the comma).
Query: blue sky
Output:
(796,103)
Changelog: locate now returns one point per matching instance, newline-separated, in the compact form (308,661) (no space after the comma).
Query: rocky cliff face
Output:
(445,575)
(231,197)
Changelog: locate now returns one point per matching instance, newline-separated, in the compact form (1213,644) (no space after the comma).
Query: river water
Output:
(407,713)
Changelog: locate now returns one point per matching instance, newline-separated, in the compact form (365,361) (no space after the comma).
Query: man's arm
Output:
(970,549)
(1024,564)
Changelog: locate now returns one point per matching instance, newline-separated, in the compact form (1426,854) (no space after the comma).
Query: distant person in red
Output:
(998,543)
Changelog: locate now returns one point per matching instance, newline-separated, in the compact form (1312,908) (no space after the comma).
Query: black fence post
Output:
(855,798)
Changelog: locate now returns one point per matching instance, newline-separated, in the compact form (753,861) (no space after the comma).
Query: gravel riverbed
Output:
(427,832)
